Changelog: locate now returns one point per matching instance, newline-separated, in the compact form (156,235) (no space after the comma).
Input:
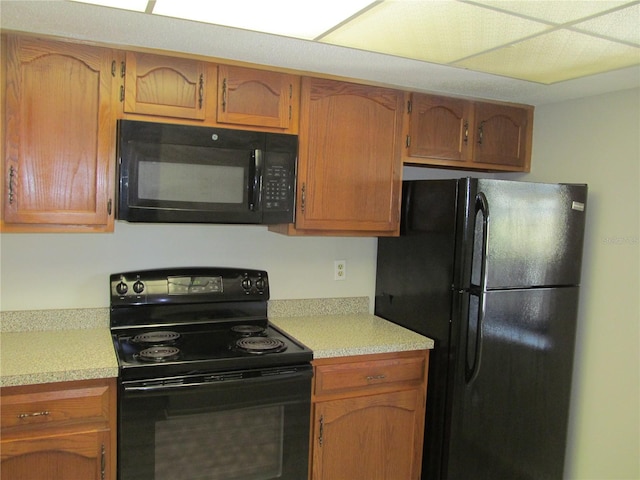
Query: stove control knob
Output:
(122,288)
(246,284)
(138,287)
(260,284)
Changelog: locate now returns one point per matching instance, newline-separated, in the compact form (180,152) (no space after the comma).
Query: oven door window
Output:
(244,443)
(248,429)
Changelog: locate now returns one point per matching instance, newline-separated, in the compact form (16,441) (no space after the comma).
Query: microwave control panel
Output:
(278,191)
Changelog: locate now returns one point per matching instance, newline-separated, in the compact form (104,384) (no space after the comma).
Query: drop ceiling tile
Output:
(292,18)
(554,57)
(555,11)
(621,25)
(433,31)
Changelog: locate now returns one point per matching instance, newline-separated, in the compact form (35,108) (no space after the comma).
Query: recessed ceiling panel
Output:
(623,25)
(554,11)
(434,31)
(291,18)
(554,57)
(135,5)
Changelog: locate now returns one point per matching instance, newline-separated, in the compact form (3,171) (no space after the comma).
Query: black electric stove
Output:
(195,322)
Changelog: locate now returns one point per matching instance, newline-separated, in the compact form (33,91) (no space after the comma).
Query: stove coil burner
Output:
(248,330)
(159,337)
(258,345)
(158,354)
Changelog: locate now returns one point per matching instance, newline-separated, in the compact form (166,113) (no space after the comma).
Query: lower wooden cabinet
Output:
(368,417)
(57,431)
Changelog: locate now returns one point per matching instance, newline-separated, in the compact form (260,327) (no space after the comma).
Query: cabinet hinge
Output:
(290,91)
(409,106)
(408,142)
(113,68)
(123,69)
(290,111)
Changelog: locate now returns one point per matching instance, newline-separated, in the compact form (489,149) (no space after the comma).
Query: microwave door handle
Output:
(256,184)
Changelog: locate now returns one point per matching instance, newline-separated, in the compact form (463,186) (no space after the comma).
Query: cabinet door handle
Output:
(33,414)
(103,462)
(201,91)
(480,133)
(321,435)
(466,132)
(224,95)
(303,197)
(370,378)
(12,184)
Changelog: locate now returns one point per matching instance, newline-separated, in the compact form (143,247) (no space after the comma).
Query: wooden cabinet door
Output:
(55,431)
(255,97)
(164,86)
(439,128)
(376,437)
(502,135)
(60,136)
(349,157)
(68,456)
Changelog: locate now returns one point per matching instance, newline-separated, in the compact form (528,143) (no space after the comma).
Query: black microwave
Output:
(190,174)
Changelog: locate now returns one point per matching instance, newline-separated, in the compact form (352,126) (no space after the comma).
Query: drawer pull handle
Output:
(34,414)
(375,377)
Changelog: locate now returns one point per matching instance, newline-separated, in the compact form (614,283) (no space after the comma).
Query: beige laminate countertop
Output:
(66,345)
(345,335)
(29,357)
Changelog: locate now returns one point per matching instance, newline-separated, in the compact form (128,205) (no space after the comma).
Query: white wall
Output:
(596,140)
(47,271)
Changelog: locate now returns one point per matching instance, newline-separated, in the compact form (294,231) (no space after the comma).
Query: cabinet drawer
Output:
(55,405)
(369,374)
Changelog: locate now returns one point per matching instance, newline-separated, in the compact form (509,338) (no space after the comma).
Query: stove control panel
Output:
(188,285)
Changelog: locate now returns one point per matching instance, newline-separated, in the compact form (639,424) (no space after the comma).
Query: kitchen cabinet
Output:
(258,98)
(468,134)
(368,416)
(59,150)
(59,430)
(165,86)
(349,165)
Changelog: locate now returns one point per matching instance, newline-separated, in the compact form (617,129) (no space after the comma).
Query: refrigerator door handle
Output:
(482,206)
(471,371)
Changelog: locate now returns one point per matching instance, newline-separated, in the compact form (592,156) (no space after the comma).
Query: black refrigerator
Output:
(490,269)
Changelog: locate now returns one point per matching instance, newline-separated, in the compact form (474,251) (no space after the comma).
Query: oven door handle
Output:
(213,379)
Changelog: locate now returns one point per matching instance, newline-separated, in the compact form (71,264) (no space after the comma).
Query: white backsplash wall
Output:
(51,271)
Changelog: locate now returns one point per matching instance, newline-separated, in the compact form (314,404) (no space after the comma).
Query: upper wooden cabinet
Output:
(349,166)
(257,97)
(59,158)
(503,136)
(453,132)
(165,86)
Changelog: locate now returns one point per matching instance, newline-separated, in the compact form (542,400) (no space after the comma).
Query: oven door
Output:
(249,425)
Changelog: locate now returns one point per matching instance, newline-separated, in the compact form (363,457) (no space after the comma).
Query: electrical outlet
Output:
(340,270)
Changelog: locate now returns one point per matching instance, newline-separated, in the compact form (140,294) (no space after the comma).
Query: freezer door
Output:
(519,234)
(512,385)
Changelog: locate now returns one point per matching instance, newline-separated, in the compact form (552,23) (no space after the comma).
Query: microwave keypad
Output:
(277,188)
